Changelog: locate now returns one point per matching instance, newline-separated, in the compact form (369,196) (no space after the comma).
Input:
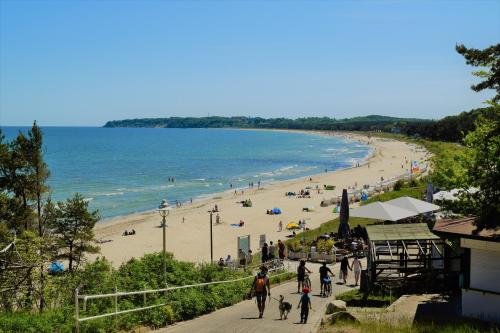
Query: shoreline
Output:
(189,240)
(210,196)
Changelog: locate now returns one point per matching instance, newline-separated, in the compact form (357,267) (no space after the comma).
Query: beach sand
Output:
(190,240)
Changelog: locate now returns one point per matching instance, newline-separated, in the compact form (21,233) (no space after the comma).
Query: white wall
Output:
(485,270)
(481,305)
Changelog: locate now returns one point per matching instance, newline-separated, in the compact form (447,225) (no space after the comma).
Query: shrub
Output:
(398,185)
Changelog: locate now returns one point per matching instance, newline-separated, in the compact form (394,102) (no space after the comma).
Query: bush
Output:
(324,246)
(100,277)
(398,185)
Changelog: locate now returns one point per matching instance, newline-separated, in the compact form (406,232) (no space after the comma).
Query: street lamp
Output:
(164,208)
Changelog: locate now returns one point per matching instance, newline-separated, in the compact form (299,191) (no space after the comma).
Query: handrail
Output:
(117,294)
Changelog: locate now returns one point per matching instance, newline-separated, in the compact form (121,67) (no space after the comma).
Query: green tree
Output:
(489,59)
(72,226)
(482,164)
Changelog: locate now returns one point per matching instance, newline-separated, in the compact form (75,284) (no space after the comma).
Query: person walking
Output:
(344,265)
(281,249)
(272,251)
(301,274)
(357,267)
(304,305)
(265,253)
(323,274)
(261,288)
(280,226)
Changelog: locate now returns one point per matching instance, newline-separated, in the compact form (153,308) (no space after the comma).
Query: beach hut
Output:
(398,253)
(479,268)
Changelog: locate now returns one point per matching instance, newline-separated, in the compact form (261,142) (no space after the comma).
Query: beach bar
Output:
(480,268)
(402,253)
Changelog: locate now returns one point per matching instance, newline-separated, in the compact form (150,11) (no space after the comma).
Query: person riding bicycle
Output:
(301,275)
(323,273)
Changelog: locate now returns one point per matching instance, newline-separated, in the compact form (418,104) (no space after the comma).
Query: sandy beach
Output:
(188,231)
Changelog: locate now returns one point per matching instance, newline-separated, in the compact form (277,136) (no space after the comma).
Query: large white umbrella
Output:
(444,195)
(382,211)
(415,205)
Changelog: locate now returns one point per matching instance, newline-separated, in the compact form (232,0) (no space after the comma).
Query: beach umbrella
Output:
(276,210)
(292,225)
(382,211)
(414,205)
(344,215)
(444,196)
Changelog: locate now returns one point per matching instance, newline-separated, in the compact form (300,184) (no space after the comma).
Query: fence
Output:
(118,294)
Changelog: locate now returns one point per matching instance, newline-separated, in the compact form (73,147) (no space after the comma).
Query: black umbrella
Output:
(344,215)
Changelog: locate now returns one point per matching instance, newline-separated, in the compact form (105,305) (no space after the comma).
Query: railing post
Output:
(77,312)
(116,300)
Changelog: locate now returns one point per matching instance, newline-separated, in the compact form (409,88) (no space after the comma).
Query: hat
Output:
(306,290)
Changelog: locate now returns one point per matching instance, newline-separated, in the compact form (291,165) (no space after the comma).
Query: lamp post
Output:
(164,208)
(211,240)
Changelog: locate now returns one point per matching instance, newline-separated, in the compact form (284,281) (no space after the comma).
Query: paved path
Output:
(243,317)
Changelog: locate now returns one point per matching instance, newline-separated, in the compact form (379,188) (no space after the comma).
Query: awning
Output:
(382,211)
(392,232)
(413,205)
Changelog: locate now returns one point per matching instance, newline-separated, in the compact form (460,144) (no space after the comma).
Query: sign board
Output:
(262,240)
(244,244)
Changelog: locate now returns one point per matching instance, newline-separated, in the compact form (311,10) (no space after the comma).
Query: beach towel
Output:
(235,225)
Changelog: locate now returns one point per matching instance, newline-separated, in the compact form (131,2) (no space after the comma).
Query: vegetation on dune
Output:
(136,274)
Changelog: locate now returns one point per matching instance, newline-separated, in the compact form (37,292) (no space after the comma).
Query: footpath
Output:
(243,316)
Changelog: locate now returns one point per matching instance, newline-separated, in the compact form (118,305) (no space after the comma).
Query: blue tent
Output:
(56,267)
(276,211)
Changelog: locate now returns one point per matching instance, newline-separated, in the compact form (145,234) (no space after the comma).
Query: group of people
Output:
(268,252)
(129,233)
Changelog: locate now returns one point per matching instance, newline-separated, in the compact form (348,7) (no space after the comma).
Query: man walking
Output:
(270,255)
(261,288)
(281,249)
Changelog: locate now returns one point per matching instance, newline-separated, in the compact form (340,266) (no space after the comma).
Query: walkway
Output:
(243,317)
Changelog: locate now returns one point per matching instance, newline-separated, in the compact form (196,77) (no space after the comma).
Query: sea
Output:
(120,171)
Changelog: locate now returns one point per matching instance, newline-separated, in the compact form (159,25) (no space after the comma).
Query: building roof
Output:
(408,231)
(465,228)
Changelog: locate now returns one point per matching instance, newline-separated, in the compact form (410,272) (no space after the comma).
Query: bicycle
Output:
(327,286)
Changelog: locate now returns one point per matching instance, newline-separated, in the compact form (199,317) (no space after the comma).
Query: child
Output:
(305,305)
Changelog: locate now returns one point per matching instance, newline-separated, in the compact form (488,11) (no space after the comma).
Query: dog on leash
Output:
(284,307)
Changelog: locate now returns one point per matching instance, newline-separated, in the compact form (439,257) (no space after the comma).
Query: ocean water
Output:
(126,170)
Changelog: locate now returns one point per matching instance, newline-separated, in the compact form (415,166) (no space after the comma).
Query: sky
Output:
(82,63)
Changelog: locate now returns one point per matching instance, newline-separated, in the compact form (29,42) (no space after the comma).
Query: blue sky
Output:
(83,63)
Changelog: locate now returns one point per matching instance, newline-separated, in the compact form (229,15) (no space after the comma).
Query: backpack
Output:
(260,283)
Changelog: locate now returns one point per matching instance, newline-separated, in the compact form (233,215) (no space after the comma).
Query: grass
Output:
(328,227)
(414,192)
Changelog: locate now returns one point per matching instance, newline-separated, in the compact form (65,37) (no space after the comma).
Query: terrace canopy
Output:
(397,252)
(414,205)
(382,211)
